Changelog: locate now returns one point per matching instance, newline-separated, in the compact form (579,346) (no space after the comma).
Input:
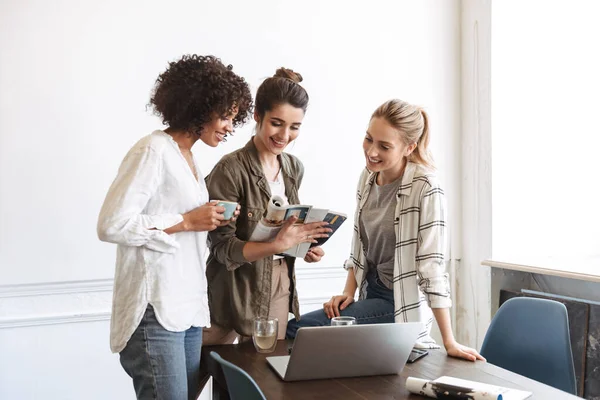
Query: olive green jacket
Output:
(238,290)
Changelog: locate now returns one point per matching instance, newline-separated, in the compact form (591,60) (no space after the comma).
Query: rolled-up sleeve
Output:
(430,258)
(225,246)
(121,218)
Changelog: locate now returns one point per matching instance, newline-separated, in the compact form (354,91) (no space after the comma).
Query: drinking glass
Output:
(264,334)
(342,321)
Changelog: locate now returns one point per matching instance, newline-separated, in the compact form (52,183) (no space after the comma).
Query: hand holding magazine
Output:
(278,212)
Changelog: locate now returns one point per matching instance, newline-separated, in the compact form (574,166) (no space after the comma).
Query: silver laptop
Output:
(344,351)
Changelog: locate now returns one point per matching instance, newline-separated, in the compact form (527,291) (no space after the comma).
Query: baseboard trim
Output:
(50,288)
(54,320)
(314,300)
(318,272)
(106,285)
(53,303)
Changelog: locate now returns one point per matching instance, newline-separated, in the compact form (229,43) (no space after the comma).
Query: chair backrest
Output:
(530,337)
(240,385)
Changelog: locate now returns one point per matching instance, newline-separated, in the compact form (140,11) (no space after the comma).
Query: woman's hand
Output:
(314,254)
(455,349)
(337,303)
(236,214)
(291,235)
(207,217)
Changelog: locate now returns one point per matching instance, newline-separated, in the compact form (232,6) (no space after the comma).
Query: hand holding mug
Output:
(207,217)
(232,211)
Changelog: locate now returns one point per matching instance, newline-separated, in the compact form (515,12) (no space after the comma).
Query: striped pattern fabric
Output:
(420,281)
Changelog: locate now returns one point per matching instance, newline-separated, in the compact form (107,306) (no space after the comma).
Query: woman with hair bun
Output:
(247,279)
(398,249)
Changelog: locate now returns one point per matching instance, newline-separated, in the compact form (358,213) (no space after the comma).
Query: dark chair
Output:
(530,337)
(240,385)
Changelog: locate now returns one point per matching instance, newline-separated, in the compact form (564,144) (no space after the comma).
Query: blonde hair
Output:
(412,123)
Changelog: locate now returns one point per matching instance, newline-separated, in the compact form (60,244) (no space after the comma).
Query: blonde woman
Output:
(397,257)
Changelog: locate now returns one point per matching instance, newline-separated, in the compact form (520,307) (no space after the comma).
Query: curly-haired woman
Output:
(158,213)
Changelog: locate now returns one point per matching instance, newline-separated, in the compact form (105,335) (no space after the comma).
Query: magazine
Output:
(453,388)
(278,212)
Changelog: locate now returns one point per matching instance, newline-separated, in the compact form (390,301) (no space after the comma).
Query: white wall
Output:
(545,133)
(74,80)
(473,239)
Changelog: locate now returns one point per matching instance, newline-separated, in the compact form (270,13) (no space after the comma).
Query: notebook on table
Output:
(455,388)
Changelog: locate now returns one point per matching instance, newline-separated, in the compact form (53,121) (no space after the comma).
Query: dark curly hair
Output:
(195,88)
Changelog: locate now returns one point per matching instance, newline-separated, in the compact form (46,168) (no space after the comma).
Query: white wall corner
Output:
(472,280)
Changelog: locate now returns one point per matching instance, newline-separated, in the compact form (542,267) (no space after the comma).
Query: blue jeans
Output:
(377,308)
(163,364)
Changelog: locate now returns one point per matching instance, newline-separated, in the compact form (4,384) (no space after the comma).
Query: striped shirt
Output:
(420,281)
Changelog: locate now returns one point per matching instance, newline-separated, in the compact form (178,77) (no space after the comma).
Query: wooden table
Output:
(434,365)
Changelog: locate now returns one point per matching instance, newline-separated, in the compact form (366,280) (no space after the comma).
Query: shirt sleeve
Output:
(121,218)
(225,246)
(430,258)
(352,262)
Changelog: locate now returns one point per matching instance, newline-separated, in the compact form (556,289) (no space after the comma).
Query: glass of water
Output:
(341,321)
(264,334)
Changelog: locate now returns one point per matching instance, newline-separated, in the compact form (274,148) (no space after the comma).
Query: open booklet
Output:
(278,212)
(453,388)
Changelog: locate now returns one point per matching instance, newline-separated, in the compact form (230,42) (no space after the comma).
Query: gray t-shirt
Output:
(377,229)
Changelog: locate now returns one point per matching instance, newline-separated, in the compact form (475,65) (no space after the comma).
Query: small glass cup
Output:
(342,321)
(264,334)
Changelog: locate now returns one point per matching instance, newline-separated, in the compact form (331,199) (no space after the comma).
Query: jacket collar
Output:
(256,166)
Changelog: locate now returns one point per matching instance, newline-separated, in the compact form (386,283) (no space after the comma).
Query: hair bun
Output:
(289,74)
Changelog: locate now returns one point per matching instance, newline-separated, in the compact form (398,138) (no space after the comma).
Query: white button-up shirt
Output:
(153,188)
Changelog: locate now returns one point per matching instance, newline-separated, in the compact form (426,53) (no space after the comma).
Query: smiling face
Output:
(384,149)
(215,131)
(278,128)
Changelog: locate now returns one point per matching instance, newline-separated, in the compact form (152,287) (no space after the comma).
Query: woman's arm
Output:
(225,246)
(254,251)
(453,348)
(232,252)
(289,236)
(121,220)
(337,303)
(431,250)
(433,279)
(207,217)
(351,286)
